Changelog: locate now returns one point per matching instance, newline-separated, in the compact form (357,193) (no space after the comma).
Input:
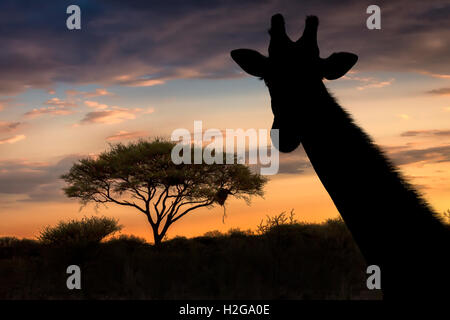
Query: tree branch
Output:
(208,203)
(123,203)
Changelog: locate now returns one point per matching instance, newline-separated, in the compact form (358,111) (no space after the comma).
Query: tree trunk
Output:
(157,241)
(157,238)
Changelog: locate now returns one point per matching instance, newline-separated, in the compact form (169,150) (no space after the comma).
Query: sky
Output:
(141,69)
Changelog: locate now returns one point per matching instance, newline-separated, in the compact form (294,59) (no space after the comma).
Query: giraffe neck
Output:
(391,224)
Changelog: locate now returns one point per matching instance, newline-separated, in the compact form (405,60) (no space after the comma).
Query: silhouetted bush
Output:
(275,221)
(239,232)
(7,242)
(128,239)
(292,260)
(12,246)
(213,234)
(78,233)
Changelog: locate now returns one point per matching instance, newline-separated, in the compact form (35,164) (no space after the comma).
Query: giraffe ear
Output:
(338,64)
(251,61)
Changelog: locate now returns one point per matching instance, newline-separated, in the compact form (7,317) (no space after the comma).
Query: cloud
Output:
(440,92)
(125,135)
(56,102)
(49,110)
(129,81)
(96,105)
(56,107)
(296,162)
(427,155)
(376,84)
(368,82)
(144,43)
(426,133)
(436,75)
(113,116)
(404,116)
(149,111)
(12,140)
(37,181)
(9,126)
(99,92)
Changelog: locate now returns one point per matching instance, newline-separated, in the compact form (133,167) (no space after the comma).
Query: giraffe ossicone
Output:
(285,61)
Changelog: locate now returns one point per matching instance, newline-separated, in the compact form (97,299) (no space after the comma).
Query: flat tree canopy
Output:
(142,175)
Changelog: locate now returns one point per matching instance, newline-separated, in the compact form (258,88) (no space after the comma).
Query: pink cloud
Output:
(12,140)
(130,81)
(56,107)
(59,103)
(376,84)
(125,135)
(436,75)
(440,92)
(367,82)
(49,110)
(426,133)
(403,116)
(99,92)
(9,126)
(113,116)
(96,105)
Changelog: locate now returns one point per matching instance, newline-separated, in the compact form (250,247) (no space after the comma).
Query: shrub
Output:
(276,221)
(178,243)
(7,242)
(15,243)
(130,239)
(239,232)
(213,234)
(87,231)
(335,224)
(12,246)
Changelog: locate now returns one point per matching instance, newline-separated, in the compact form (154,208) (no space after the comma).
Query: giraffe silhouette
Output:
(391,223)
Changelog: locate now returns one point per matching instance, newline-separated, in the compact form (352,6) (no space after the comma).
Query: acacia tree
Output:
(142,175)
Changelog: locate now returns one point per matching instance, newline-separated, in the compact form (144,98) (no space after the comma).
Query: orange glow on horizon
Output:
(303,193)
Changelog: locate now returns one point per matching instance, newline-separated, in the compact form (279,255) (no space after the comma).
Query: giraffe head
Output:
(292,72)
